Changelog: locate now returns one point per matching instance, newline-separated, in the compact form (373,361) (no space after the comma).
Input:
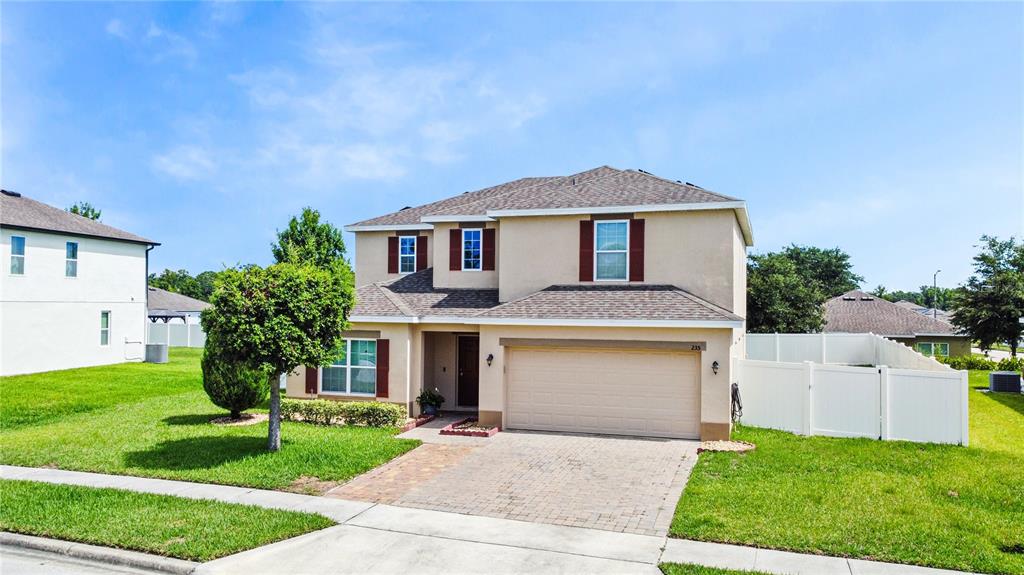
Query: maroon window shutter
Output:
(393,255)
(455,250)
(636,250)
(383,353)
(312,374)
(488,248)
(421,253)
(586,251)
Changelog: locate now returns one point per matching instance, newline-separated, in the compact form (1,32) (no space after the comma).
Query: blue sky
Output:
(894,131)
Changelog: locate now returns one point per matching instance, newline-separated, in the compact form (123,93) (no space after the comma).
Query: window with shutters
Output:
(611,250)
(354,372)
(472,246)
(406,254)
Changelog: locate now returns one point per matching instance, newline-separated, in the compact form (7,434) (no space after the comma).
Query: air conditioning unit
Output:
(1004,381)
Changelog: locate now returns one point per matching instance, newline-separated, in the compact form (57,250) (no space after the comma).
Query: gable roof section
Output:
(163,300)
(859,312)
(17,211)
(414,296)
(591,190)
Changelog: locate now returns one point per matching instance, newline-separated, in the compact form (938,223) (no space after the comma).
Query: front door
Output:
(469,371)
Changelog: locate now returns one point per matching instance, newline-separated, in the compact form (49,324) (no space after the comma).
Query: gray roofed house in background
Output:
(17,211)
(939,314)
(161,299)
(860,312)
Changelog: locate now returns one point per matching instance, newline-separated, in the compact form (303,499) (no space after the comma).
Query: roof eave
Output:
(554,322)
(456,218)
(387,227)
(140,241)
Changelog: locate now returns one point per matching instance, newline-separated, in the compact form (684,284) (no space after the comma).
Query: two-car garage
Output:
(622,391)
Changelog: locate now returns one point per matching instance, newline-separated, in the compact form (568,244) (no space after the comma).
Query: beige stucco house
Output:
(608,301)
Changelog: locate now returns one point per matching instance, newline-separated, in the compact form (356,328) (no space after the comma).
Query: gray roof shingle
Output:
(600,187)
(19,211)
(859,312)
(939,314)
(163,300)
(414,295)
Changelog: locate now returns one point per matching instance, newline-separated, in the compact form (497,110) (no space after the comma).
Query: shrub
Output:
(1011,364)
(327,412)
(231,385)
(968,362)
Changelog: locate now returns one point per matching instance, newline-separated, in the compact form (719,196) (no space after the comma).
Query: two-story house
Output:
(608,301)
(72,290)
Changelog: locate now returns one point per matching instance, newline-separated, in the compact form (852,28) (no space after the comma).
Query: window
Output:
(471,249)
(930,349)
(354,372)
(104,328)
(406,254)
(17,255)
(71,260)
(610,250)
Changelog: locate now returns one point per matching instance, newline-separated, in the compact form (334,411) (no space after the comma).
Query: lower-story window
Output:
(354,372)
(104,327)
(930,348)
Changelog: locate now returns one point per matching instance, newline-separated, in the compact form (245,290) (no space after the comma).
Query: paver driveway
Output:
(620,484)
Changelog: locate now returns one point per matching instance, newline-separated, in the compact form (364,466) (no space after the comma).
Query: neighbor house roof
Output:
(939,314)
(17,211)
(600,188)
(859,312)
(413,296)
(163,300)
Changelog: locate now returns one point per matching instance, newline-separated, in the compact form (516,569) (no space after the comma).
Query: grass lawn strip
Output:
(171,437)
(688,569)
(932,505)
(196,530)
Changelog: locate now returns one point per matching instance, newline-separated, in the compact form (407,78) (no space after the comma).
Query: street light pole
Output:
(935,294)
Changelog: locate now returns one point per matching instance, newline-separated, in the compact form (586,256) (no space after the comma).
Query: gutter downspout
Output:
(145,316)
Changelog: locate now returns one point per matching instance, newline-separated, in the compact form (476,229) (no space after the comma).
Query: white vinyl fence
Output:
(838,348)
(846,401)
(177,334)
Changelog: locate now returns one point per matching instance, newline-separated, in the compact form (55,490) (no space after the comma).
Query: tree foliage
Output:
(928,296)
(989,307)
(310,241)
(86,210)
(779,297)
(829,268)
(232,385)
(199,287)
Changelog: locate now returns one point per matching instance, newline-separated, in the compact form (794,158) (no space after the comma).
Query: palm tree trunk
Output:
(274,427)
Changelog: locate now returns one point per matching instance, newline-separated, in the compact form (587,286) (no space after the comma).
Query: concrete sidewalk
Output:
(388,539)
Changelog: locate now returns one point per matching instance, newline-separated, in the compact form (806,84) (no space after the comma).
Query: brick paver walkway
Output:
(389,482)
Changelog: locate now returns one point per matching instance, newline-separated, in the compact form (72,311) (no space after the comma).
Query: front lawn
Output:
(688,569)
(934,505)
(159,524)
(170,436)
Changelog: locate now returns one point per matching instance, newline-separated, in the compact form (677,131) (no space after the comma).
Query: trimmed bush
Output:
(1011,364)
(327,412)
(968,362)
(233,386)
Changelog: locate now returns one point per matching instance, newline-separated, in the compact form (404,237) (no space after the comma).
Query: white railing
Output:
(837,348)
(843,401)
(177,334)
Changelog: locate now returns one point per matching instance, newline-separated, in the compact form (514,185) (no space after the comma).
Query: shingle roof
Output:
(600,187)
(163,300)
(628,302)
(19,211)
(939,314)
(859,312)
(414,296)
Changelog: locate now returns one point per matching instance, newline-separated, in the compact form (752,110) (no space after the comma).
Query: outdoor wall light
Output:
(490,358)
(714,366)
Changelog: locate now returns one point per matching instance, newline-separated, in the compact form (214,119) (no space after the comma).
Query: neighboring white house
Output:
(72,290)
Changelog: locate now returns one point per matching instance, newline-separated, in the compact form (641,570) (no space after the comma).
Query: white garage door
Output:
(627,392)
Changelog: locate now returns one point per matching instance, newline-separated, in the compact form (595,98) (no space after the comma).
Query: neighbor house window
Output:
(104,328)
(471,249)
(17,255)
(71,260)
(406,254)
(610,249)
(931,349)
(355,371)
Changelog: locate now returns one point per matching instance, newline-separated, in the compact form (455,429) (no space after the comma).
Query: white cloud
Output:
(185,163)
(170,45)
(117,28)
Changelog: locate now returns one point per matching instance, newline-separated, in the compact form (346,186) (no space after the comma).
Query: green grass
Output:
(934,505)
(160,524)
(688,569)
(41,397)
(169,435)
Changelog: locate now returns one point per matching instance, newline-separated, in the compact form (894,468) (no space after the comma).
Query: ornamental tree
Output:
(990,306)
(307,240)
(278,318)
(779,297)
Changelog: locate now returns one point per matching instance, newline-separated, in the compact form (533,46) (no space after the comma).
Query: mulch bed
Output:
(469,427)
(733,446)
(246,419)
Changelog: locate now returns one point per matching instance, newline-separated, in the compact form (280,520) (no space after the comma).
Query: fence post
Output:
(167,324)
(823,356)
(777,347)
(808,397)
(883,401)
(964,414)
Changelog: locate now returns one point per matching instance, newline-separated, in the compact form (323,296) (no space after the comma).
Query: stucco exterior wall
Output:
(443,278)
(49,321)
(371,259)
(957,345)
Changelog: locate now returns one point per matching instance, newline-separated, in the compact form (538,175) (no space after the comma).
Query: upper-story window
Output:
(406,254)
(471,249)
(611,246)
(71,260)
(17,255)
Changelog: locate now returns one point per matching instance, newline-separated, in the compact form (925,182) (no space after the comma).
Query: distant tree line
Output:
(927,296)
(199,287)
